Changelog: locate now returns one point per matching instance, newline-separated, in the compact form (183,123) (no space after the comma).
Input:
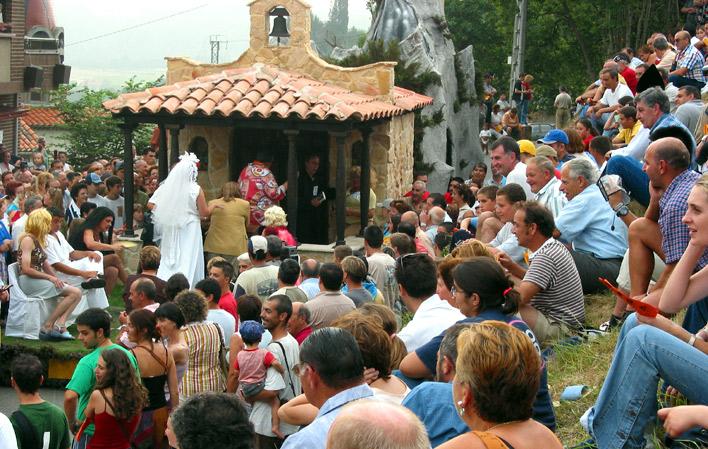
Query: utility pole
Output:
(215,47)
(518,50)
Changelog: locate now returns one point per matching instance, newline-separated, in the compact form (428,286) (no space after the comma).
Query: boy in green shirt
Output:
(94,327)
(37,423)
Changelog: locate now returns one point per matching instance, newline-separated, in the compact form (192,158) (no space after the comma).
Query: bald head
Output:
(310,268)
(671,150)
(682,39)
(410,217)
(437,215)
(370,424)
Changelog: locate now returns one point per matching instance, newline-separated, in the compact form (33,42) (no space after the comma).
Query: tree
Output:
(92,131)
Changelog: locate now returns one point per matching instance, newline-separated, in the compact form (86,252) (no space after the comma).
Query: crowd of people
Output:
(433,334)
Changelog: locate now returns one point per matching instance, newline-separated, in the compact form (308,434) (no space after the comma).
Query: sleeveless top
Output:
(492,441)
(37,257)
(111,432)
(155,385)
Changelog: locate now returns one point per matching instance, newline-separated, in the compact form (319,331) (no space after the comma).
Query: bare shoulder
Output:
(465,441)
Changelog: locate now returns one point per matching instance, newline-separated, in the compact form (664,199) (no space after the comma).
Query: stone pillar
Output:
(174,144)
(365,179)
(163,166)
(340,138)
(292,179)
(128,185)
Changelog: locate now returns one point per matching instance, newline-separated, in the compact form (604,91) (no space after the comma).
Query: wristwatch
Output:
(692,340)
(622,210)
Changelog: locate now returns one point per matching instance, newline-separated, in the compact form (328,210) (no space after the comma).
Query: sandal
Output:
(613,322)
(64,334)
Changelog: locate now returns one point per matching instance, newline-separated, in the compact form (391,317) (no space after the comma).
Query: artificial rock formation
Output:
(452,146)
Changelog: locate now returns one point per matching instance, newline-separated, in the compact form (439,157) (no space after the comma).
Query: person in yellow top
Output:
(630,126)
(227,232)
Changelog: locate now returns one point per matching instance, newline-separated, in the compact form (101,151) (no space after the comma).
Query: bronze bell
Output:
(280,28)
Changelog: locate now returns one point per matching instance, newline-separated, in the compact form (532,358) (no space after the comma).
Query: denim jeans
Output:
(523,109)
(634,180)
(628,399)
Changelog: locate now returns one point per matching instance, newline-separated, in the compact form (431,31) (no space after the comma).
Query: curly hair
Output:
(275,217)
(129,395)
(193,306)
(471,248)
(38,225)
(373,341)
(212,420)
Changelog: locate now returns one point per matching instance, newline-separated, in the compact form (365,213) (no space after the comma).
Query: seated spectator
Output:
(510,123)
(299,323)
(508,197)
(586,130)
(422,241)
(506,160)
(463,198)
(689,63)
(355,273)
(624,61)
(359,426)
(32,203)
(147,268)
(630,126)
(540,175)
(47,422)
(79,195)
(288,274)
(416,276)
(212,291)
(498,372)
(587,222)
(614,90)
(552,302)
(600,146)
(330,303)
(690,108)
(222,272)
(215,420)
(527,149)
(261,279)
(558,140)
(310,273)
(331,369)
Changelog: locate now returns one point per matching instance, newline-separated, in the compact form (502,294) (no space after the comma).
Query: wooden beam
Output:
(340,138)
(128,185)
(163,166)
(365,180)
(174,143)
(292,179)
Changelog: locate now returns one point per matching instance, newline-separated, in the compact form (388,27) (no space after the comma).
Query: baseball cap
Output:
(251,330)
(93,178)
(119,165)
(545,150)
(526,146)
(458,237)
(258,243)
(553,136)
(621,57)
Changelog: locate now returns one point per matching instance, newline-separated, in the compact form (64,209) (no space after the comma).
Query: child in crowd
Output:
(251,365)
(138,217)
(38,165)
(629,126)
(486,199)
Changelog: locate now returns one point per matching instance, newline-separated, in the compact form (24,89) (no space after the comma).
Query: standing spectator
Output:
(310,277)
(94,328)
(261,279)
(312,202)
(222,272)
(489,92)
(5,165)
(148,265)
(205,365)
(47,422)
(114,201)
(330,303)
(275,222)
(211,291)
(259,187)
(381,265)
(169,322)
(288,274)
(355,273)
(527,94)
(689,63)
(227,230)
(562,103)
(299,323)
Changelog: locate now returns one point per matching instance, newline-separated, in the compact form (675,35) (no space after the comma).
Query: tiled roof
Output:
(43,117)
(263,91)
(28,138)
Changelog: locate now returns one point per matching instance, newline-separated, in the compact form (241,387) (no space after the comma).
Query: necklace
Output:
(503,424)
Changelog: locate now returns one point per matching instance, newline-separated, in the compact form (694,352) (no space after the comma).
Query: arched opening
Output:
(278,27)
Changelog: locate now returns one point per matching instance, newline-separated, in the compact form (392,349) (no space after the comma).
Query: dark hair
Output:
(448,344)
(539,215)
(588,125)
(417,274)
(310,271)
(342,251)
(601,144)
(226,267)
(485,277)
(442,240)
(513,192)
(209,287)
(170,311)
(438,199)
(74,192)
(283,304)
(212,420)
(72,175)
(626,101)
(27,371)
(400,206)
(304,313)
(147,287)
(144,320)
(407,228)
(86,208)
(95,319)
(249,308)
(288,272)
(509,146)
(396,220)
(403,243)
(129,395)
(629,111)
(331,276)
(681,161)
(275,246)
(113,181)
(691,90)
(373,236)
(489,191)
(55,212)
(92,221)
(465,193)
(175,284)
(481,165)
(335,356)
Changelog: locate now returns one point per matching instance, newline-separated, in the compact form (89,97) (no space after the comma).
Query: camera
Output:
(289,252)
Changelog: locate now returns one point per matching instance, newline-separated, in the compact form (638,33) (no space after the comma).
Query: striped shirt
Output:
(551,197)
(203,365)
(561,297)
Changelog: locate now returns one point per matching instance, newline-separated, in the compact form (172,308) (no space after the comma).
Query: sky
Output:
(107,61)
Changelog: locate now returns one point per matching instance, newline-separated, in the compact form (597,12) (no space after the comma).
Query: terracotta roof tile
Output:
(265,91)
(28,138)
(43,117)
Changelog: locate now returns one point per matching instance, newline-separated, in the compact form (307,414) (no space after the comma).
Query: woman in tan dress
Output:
(227,232)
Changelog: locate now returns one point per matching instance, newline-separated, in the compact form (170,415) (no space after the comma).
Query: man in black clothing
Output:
(312,203)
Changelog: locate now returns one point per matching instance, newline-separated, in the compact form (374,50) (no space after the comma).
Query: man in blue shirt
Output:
(331,370)
(588,223)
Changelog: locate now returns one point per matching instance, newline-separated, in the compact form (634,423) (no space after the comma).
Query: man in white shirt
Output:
(212,292)
(614,90)
(93,181)
(381,265)
(540,174)
(18,228)
(506,159)
(417,280)
(114,201)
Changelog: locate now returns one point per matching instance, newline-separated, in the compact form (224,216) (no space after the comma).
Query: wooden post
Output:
(163,167)
(174,144)
(365,180)
(341,186)
(128,186)
(292,180)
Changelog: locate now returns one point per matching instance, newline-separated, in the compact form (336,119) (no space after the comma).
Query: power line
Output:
(160,19)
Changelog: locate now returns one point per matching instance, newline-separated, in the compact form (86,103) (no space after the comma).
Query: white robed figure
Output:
(177,205)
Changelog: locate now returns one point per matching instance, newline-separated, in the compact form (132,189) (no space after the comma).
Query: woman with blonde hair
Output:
(276,223)
(390,325)
(498,372)
(227,230)
(41,183)
(37,277)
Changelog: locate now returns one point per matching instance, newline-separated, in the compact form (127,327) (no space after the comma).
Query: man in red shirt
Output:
(222,272)
(298,324)
(627,73)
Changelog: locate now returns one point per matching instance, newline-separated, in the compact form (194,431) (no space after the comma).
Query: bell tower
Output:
(279,24)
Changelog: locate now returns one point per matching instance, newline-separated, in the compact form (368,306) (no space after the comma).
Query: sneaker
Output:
(65,335)
(93,283)
(612,323)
